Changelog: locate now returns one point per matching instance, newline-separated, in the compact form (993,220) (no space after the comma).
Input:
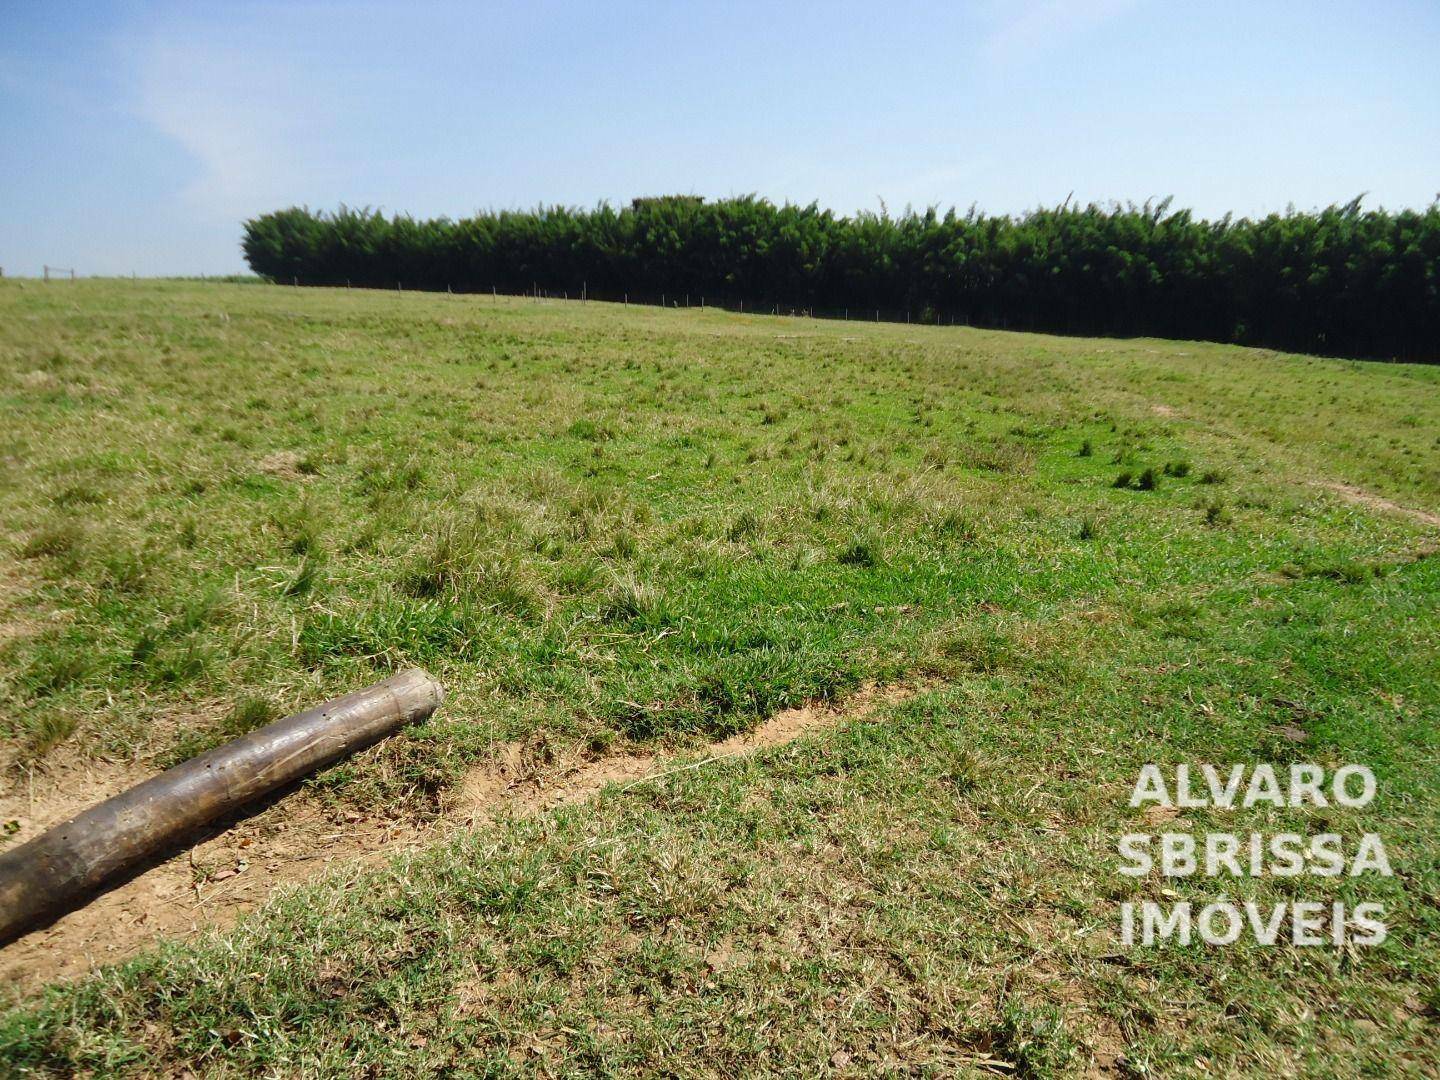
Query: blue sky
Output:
(137,137)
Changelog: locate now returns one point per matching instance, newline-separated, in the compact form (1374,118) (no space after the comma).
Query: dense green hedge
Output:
(1341,281)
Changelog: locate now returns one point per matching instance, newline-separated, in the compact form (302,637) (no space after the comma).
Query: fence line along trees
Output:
(1342,281)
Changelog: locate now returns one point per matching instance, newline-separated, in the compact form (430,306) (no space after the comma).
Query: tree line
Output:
(1342,281)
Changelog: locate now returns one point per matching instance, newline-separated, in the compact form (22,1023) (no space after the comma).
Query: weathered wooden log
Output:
(55,872)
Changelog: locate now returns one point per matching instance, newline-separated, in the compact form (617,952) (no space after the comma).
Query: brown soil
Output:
(229,871)
(513,785)
(238,866)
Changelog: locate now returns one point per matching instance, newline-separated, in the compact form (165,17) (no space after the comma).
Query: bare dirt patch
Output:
(512,785)
(239,865)
(232,869)
(1371,501)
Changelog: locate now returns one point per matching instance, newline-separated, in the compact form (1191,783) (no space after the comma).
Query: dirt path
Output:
(1371,501)
(239,867)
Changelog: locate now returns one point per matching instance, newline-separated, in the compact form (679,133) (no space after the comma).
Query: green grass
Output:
(599,524)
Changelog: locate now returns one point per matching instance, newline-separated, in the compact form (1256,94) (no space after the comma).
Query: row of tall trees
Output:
(1342,281)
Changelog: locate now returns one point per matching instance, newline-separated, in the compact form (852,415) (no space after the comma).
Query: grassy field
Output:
(607,527)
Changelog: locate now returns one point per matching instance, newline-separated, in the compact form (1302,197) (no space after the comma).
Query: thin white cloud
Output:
(253,118)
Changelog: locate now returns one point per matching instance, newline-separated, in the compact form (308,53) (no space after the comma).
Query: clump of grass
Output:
(125,571)
(461,567)
(630,600)
(53,541)
(983,649)
(47,731)
(998,456)
(147,644)
(385,476)
(1089,529)
(389,632)
(1216,514)
(505,585)
(956,526)
(624,544)
(304,536)
(191,660)
(205,609)
(1087,449)
(933,458)
(965,774)
(1177,469)
(79,495)
(1037,1040)
(863,551)
(247,714)
(771,414)
(1349,571)
(57,667)
(1124,480)
(1213,476)
(1148,480)
(441,569)
(589,430)
(743,527)
(306,577)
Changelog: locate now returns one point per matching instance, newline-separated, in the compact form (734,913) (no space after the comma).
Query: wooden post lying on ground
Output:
(52,874)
